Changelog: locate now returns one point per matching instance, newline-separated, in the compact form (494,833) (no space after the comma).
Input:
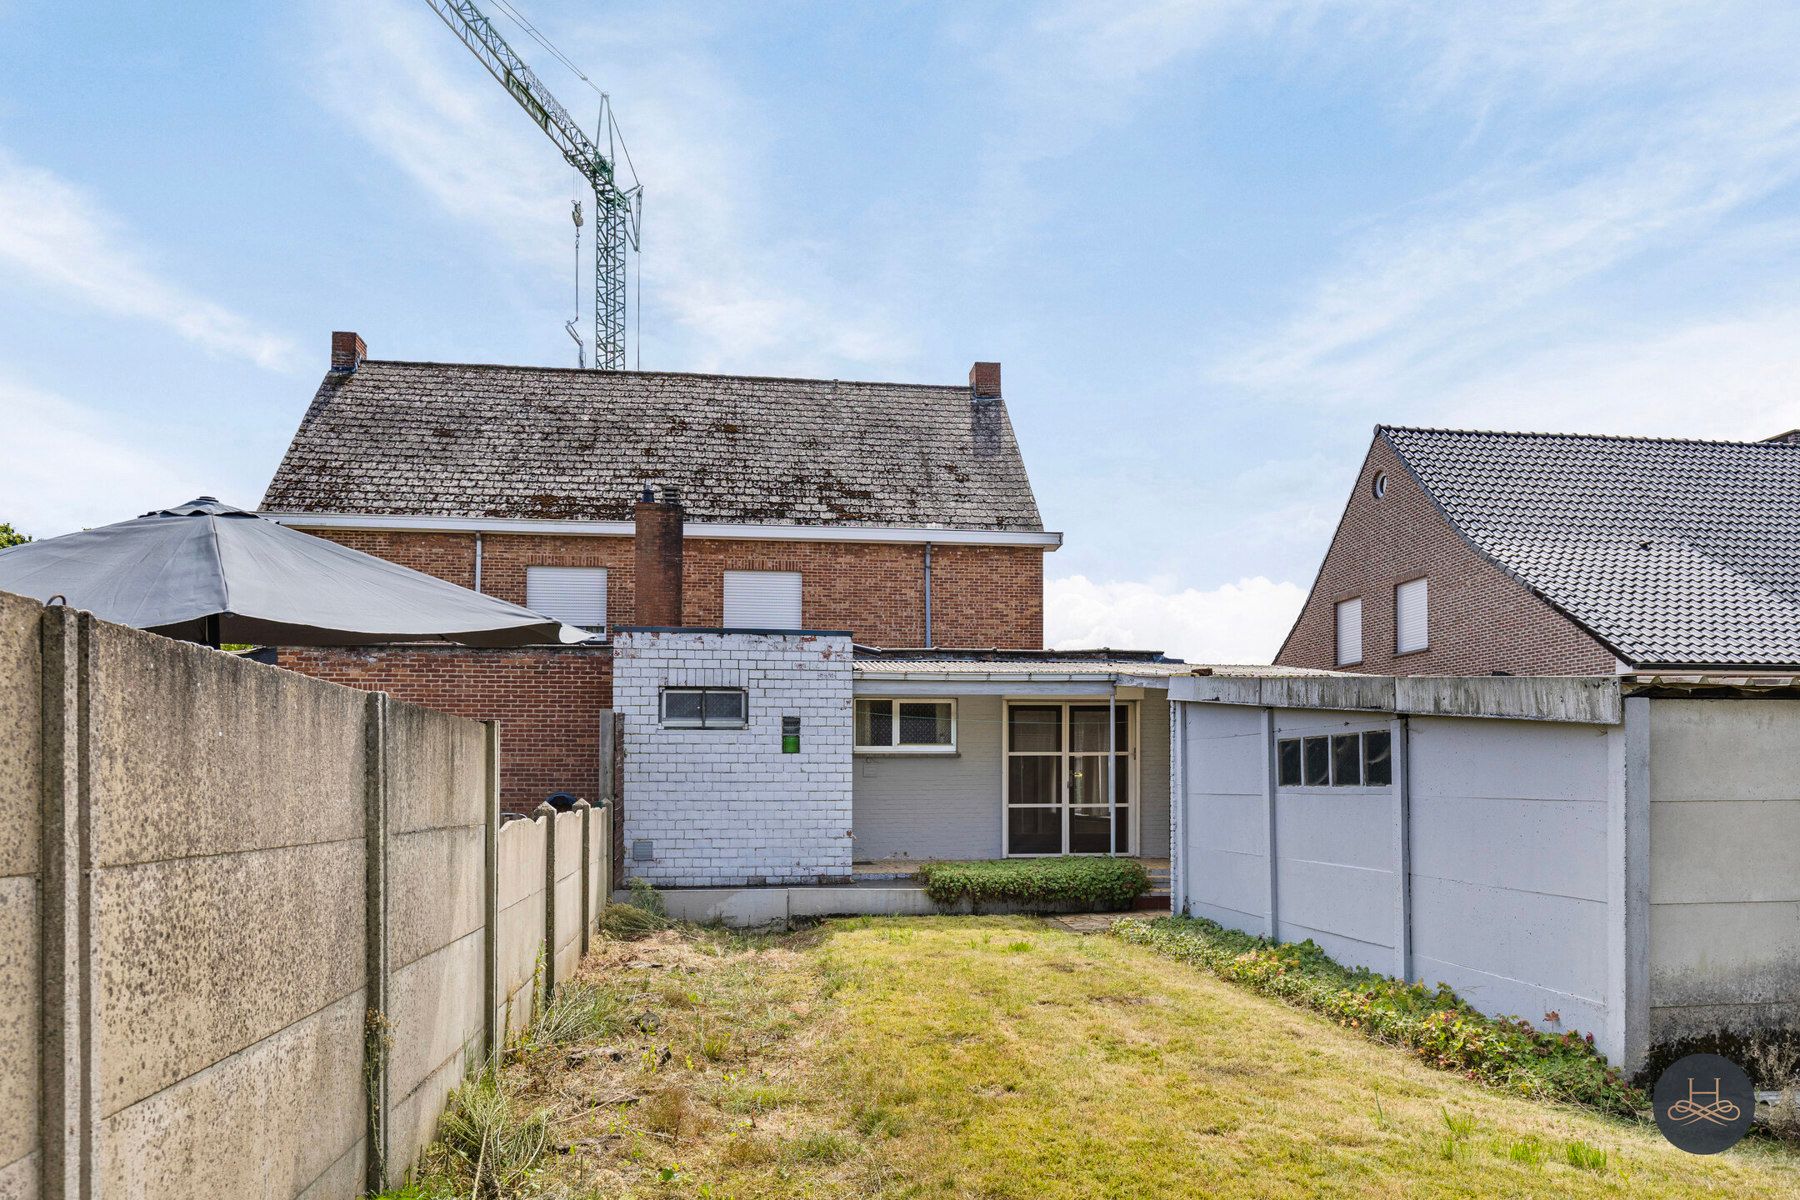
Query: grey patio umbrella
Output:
(208,572)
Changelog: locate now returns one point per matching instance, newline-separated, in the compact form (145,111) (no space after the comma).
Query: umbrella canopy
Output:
(206,571)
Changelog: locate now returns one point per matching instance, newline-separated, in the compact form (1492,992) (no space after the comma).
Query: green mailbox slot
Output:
(790,735)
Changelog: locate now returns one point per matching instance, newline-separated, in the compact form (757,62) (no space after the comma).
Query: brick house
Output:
(1473,553)
(901,514)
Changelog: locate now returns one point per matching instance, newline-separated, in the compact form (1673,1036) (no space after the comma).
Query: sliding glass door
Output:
(1058,769)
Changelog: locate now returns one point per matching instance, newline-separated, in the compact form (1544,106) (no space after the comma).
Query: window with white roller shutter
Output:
(1349,632)
(762,600)
(573,595)
(1411,623)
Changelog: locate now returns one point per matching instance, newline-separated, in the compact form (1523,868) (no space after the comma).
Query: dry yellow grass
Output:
(1002,1057)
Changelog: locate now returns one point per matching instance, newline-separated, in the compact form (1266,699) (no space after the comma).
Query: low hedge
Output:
(1433,1023)
(1096,883)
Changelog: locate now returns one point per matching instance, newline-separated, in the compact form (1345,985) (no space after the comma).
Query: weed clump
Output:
(642,914)
(488,1144)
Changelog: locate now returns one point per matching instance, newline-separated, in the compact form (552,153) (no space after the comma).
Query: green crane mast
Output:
(618,211)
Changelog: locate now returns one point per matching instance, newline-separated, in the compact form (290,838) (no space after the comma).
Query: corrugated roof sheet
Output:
(1672,552)
(442,439)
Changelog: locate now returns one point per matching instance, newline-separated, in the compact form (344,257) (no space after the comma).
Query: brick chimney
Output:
(347,351)
(658,539)
(984,381)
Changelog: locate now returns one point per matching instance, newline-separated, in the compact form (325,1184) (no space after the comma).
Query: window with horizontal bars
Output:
(705,708)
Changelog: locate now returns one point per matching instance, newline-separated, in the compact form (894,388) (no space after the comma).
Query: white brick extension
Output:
(726,806)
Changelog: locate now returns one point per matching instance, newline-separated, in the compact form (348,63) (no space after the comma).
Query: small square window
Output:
(1378,759)
(704,708)
(1287,772)
(1346,760)
(1318,762)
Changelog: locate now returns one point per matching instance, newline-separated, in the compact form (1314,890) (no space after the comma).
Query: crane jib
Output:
(616,210)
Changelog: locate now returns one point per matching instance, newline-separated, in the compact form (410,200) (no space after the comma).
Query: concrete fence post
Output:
(606,858)
(548,814)
(493,1031)
(608,794)
(1270,777)
(376,1041)
(1400,769)
(587,873)
(69,1099)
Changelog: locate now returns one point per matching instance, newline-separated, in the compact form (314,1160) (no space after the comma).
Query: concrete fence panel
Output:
(520,923)
(254,928)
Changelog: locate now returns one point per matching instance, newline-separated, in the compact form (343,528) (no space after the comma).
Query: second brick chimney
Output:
(984,381)
(659,552)
(347,351)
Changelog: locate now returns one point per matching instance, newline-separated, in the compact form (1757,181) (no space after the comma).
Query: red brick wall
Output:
(1481,620)
(548,702)
(981,595)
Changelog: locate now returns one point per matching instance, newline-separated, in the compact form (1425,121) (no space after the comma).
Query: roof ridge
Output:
(1593,437)
(591,372)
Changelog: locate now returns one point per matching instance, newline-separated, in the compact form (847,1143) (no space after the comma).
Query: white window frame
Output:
(1423,587)
(662,709)
(1331,787)
(725,601)
(1133,777)
(894,703)
(1337,631)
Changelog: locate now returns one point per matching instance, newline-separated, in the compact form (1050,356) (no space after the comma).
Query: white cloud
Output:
(57,237)
(725,287)
(67,468)
(1240,622)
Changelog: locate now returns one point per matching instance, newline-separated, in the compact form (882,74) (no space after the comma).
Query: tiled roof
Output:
(440,439)
(1671,552)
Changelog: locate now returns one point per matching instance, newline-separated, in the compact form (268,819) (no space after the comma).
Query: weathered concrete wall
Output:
(1223,819)
(21,766)
(436,831)
(1509,846)
(244,918)
(521,920)
(227,931)
(1724,869)
(1505,828)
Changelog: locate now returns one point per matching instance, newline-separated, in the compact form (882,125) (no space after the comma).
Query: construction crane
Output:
(618,211)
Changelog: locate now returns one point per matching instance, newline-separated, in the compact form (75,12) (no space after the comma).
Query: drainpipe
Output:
(1112,767)
(478,560)
(928,595)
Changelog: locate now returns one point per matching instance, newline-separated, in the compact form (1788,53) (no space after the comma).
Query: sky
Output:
(1213,244)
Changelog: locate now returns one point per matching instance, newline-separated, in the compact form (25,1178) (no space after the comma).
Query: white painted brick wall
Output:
(726,806)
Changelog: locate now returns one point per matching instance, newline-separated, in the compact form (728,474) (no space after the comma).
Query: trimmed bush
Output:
(1096,883)
(1433,1023)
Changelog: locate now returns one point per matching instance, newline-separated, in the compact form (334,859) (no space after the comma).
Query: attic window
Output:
(1378,485)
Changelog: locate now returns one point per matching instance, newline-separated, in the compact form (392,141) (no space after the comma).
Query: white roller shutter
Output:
(1411,626)
(762,600)
(1349,632)
(573,595)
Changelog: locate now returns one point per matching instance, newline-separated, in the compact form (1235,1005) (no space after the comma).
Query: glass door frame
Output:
(1065,756)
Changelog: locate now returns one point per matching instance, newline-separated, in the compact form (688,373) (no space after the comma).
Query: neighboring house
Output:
(1474,553)
(901,514)
(1616,855)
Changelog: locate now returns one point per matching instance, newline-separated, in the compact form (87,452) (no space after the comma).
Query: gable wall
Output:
(981,595)
(1481,619)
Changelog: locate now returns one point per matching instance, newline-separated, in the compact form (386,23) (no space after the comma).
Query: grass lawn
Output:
(1002,1057)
